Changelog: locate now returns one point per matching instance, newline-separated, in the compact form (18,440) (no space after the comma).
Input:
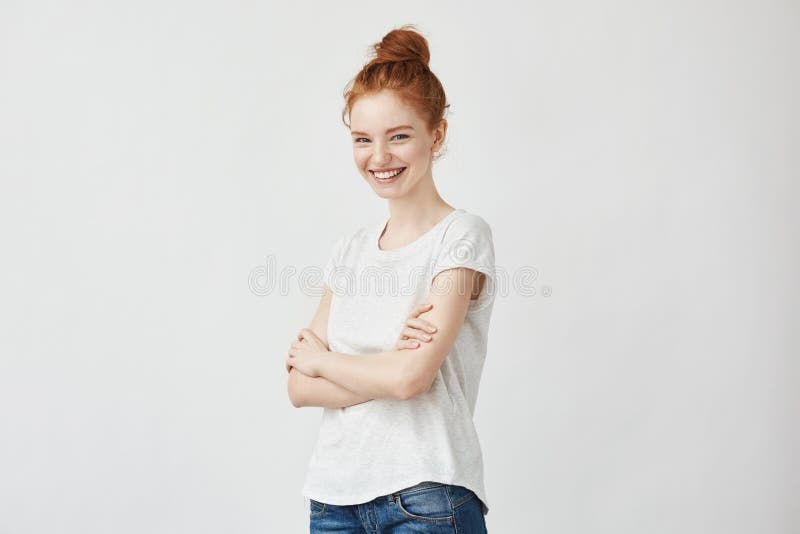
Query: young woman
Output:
(397,449)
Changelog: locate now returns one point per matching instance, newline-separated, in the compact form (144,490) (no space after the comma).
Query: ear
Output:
(439,134)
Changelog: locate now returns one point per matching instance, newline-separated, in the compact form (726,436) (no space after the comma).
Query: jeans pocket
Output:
(426,504)
(316,508)
(461,495)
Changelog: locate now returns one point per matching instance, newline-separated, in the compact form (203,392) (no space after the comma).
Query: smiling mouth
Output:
(389,176)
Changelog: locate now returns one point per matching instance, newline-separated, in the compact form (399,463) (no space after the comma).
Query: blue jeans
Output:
(429,507)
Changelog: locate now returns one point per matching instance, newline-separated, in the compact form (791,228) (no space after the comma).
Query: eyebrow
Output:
(387,131)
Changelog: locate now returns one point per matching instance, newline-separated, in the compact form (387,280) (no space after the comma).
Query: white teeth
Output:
(387,174)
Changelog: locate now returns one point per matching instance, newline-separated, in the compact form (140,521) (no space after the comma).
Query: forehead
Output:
(380,111)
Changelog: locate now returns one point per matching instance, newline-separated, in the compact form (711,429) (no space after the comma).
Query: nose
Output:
(381,155)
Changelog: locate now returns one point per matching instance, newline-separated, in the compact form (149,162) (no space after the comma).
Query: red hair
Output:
(401,66)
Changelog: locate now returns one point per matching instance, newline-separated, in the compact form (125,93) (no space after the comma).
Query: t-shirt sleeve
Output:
(467,242)
(334,260)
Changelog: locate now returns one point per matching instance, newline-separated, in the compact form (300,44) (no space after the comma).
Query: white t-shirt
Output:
(384,445)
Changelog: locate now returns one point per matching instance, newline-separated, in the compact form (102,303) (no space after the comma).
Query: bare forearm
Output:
(319,391)
(378,375)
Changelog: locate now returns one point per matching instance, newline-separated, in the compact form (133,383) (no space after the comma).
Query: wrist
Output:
(323,363)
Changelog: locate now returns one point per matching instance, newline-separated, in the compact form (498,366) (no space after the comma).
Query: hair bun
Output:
(402,44)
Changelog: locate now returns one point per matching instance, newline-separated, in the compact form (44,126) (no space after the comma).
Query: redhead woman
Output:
(395,350)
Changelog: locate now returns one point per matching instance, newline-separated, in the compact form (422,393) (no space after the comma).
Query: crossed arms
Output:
(348,379)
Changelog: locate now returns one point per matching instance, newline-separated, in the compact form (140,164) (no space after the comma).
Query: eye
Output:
(357,140)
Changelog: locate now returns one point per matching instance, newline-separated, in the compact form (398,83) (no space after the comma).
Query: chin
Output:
(393,191)
(388,194)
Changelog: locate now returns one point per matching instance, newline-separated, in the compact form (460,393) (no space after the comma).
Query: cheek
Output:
(359,159)
(411,154)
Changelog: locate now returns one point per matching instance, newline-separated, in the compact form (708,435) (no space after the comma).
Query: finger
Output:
(422,308)
(407,344)
(412,333)
(421,324)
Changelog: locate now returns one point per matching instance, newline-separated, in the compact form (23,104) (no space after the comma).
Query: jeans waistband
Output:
(425,484)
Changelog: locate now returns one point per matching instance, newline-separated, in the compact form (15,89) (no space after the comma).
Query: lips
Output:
(391,179)
(373,171)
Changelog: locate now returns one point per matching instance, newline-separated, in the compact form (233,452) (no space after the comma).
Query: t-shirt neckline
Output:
(405,249)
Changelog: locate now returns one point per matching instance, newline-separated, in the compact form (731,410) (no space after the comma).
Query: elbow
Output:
(413,387)
(295,401)
(294,391)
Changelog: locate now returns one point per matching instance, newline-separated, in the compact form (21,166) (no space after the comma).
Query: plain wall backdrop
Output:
(637,162)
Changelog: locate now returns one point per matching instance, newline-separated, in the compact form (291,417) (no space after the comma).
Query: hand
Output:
(305,353)
(416,329)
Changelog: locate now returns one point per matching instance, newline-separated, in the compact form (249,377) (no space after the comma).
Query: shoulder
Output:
(466,242)
(467,226)
(468,221)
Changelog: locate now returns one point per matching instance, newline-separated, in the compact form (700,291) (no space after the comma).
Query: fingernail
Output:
(431,329)
(427,337)
(416,343)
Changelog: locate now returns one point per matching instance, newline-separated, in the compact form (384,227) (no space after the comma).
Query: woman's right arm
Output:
(305,390)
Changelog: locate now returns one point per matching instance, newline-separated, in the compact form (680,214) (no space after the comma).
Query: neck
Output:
(419,209)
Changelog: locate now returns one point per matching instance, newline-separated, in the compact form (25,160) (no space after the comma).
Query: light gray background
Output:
(641,156)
